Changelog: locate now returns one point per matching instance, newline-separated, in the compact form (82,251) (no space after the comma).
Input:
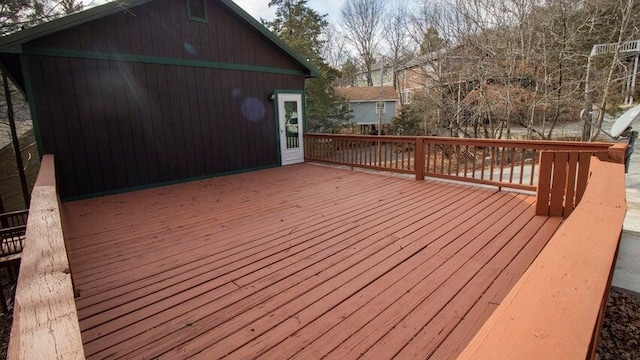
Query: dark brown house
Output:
(135,94)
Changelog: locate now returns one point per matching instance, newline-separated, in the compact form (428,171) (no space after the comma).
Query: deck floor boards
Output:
(303,261)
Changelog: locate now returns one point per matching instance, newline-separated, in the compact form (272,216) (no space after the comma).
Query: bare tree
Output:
(361,22)
(396,37)
(334,49)
(626,15)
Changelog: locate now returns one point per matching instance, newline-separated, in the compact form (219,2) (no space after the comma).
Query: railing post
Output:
(617,153)
(543,191)
(419,160)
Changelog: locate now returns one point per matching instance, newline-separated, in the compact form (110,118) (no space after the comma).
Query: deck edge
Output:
(45,323)
(555,309)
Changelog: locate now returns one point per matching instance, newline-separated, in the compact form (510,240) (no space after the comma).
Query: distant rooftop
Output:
(367,93)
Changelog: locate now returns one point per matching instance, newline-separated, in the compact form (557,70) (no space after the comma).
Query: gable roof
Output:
(367,93)
(11,43)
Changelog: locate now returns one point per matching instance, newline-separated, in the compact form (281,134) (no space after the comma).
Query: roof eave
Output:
(12,43)
(312,70)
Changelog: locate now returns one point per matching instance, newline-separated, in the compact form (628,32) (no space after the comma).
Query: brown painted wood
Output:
(390,329)
(526,144)
(575,264)
(225,33)
(419,160)
(115,125)
(584,162)
(539,229)
(570,201)
(253,267)
(543,192)
(559,183)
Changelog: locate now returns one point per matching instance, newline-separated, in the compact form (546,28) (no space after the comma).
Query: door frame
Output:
(276,93)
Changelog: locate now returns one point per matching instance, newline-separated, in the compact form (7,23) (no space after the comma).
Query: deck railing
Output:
(503,163)
(563,178)
(12,233)
(389,153)
(13,219)
(556,170)
(555,310)
(45,320)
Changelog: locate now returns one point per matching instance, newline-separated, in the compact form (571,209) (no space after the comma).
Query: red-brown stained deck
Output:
(303,261)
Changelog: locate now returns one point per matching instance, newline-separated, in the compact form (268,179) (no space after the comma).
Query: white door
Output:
(290,117)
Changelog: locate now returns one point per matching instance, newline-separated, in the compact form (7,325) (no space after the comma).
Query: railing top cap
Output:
(443,139)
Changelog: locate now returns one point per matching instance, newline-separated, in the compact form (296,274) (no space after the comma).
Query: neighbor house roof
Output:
(12,42)
(367,93)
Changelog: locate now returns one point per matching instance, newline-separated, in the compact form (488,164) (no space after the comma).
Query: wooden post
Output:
(617,153)
(543,191)
(4,223)
(14,140)
(419,160)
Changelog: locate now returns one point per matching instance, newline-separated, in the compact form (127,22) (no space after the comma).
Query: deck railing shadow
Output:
(13,226)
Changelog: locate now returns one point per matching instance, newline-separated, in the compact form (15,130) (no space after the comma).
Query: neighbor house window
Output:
(196,10)
(407,96)
(382,106)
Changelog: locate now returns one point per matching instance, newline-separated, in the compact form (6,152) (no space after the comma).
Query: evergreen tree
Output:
(19,14)
(13,14)
(302,28)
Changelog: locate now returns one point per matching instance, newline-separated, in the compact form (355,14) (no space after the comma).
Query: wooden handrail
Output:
(563,177)
(45,320)
(555,310)
(534,144)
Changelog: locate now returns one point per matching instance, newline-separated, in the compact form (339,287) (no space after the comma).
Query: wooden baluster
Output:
(402,156)
(502,160)
(493,160)
(466,159)
(569,202)
(523,153)
(512,155)
(426,168)
(457,147)
(544,183)
(419,159)
(451,150)
(473,163)
(442,152)
(584,159)
(533,166)
(484,155)
(559,183)
(386,155)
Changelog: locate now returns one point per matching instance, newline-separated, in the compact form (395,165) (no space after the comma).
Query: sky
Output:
(260,8)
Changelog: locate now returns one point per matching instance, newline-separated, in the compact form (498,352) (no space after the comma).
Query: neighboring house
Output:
(387,77)
(418,73)
(364,103)
(437,68)
(139,94)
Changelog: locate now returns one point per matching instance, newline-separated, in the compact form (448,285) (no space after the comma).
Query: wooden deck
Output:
(303,261)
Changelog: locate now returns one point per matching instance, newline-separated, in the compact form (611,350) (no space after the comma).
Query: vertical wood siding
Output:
(115,125)
(161,29)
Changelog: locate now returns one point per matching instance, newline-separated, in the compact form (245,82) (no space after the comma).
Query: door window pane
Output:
(291,124)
